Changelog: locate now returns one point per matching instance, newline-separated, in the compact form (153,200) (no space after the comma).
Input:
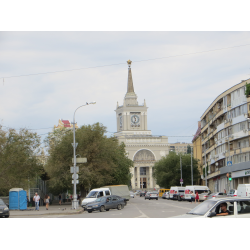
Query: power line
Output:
(115,64)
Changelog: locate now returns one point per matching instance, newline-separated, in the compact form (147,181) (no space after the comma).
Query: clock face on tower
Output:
(135,119)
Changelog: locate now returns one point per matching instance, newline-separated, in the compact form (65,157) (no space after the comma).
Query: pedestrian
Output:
(197,197)
(60,199)
(192,196)
(36,199)
(225,191)
(47,201)
(67,197)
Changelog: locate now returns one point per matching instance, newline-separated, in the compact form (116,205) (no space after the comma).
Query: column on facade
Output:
(150,178)
(132,171)
(138,177)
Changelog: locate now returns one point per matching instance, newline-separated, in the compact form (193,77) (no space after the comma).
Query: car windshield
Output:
(92,194)
(203,207)
(1,202)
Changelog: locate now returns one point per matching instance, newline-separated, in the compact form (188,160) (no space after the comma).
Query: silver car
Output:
(235,208)
(232,193)
(203,196)
(165,195)
(151,195)
(216,195)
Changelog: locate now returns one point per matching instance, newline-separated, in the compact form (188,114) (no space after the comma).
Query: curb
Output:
(77,212)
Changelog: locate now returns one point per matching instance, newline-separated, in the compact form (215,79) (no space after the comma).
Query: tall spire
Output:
(130,79)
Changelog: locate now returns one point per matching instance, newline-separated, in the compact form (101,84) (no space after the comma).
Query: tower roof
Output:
(130,79)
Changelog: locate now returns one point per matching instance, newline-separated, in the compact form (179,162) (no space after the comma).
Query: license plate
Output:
(89,207)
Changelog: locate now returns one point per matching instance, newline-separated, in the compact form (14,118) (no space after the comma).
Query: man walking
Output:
(36,199)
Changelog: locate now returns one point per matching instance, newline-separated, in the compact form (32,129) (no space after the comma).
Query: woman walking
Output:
(47,201)
(197,197)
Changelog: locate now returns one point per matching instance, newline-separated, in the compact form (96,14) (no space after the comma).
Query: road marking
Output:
(142,214)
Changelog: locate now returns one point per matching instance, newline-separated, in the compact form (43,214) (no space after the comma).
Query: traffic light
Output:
(230,177)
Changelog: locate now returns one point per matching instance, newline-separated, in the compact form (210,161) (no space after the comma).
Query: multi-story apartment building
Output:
(225,139)
(180,147)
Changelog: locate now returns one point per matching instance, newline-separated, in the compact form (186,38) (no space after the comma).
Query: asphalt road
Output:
(138,207)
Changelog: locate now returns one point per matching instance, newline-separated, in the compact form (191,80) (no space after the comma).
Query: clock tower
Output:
(131,117)
(143,148)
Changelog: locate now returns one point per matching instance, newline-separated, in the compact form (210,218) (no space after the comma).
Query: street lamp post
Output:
(75,203)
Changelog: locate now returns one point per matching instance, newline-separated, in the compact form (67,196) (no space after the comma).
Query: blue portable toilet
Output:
(17,199)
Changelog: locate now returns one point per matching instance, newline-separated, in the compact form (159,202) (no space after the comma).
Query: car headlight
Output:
(6,208)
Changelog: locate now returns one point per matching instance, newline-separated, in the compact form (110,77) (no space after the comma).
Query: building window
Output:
(143,170)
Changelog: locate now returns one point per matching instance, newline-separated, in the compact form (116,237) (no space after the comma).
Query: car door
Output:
(108,203)
(231,207)
(115,201)
(243,209)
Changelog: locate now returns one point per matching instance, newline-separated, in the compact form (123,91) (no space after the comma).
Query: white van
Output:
(119,190)
(194,189)
(243,190)
(94,194)
(174,190)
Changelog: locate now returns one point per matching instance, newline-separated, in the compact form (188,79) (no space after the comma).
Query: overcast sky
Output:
(177,89)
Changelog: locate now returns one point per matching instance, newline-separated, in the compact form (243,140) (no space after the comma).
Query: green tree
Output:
(167,170)
(107,163)
(19,165)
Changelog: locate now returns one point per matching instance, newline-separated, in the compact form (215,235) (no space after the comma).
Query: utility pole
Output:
(192,166)
(181,168)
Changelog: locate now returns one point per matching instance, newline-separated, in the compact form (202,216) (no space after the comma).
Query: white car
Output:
(236,208)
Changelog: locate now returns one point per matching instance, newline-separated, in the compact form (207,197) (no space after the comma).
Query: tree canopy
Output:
(19,164)
(107,163)
(167,170)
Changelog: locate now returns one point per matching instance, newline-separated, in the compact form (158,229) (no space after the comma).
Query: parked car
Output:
(4,209)
(106,203)
(194,189)
(232,192)
(132,195)
(237,208)
(179,195)
(143,193)
(216,195)
(165,195)
(203,196)
(151,195)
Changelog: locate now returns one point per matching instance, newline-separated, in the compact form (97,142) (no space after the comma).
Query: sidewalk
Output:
(64,209)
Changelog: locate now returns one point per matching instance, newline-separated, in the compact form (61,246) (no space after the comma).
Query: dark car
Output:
(143,194)
(179,196)
(105,203)
(4,210)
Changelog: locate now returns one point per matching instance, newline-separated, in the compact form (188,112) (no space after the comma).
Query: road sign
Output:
(229,163)
(74,175)
(77,181)
(181,180)
(80,160)
(72,170)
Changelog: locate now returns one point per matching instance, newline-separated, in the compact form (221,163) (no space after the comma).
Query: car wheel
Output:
(102,209)
(119,207)
(107,209)
(89,211)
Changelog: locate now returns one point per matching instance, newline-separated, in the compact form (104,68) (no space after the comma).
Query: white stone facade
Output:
(142,147)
